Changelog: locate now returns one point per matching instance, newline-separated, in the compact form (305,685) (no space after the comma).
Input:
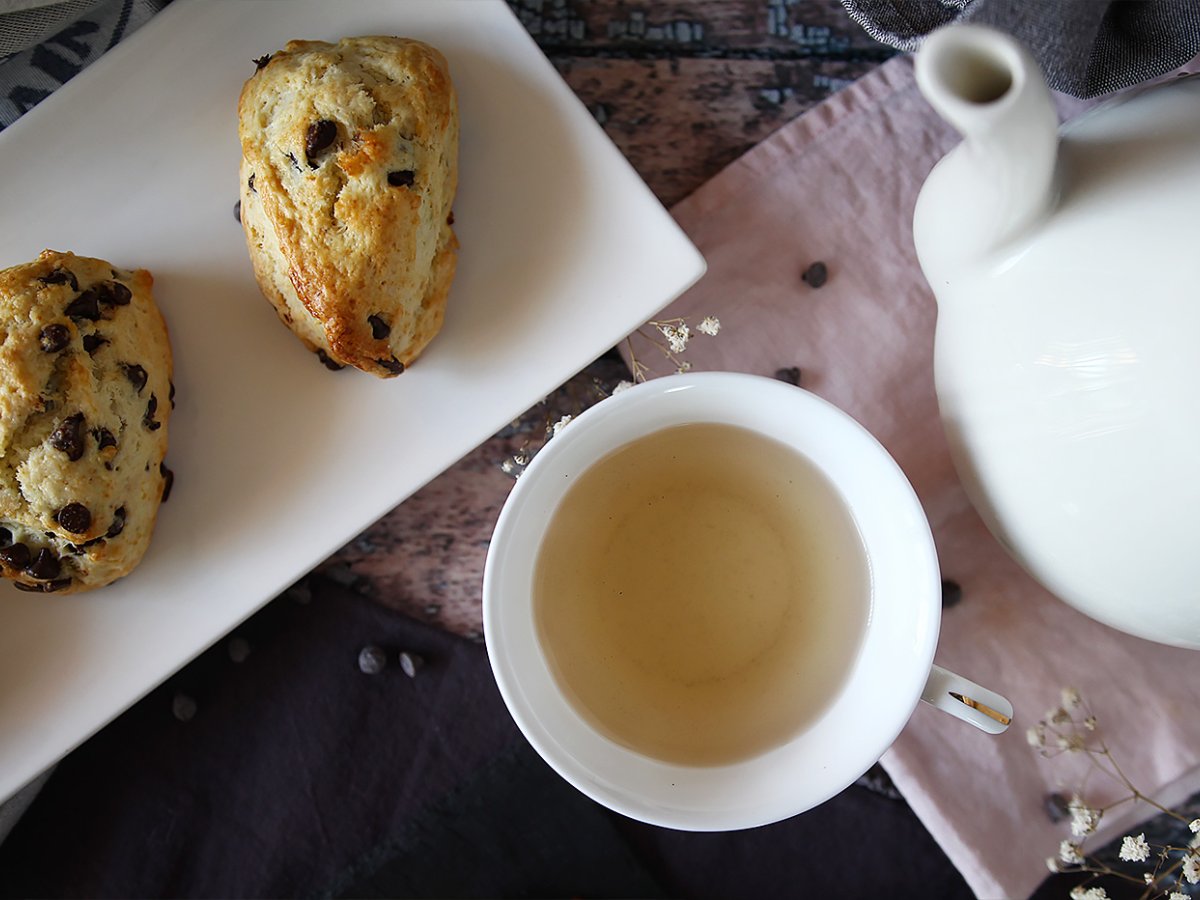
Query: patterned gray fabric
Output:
(1085,47)
(43,47)
(20,29)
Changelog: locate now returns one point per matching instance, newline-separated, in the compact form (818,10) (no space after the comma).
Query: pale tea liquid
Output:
(701,594)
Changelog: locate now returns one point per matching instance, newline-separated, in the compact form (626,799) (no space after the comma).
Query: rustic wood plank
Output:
(685,88)
(680,121)
(698,27)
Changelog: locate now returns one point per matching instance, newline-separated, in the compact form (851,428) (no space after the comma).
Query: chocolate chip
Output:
(16,556)
(1056,806)
(238,649)
(183,708)
(61,276)
(113,293)
(450,218)
(327,362)
(260,62)
(85,306)
(168,482)
(411,663)
(815,275)
(171,393)
(371,660)
(45,566)
(151,411)
(104,438)
(68,437)
(791,375)
(379,328)
(237,211)
(951,593)
(118,523)
(250,183)
(320,135)
(48,587)
(75,518)
(54,337)
(402,178)
(5,536)
(392,364)
(136,375)
(93,342)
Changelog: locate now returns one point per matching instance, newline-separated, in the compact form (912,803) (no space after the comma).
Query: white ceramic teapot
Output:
(1067,272)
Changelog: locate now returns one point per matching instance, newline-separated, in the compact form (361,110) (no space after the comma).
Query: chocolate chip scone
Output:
(349,169)
(85,395)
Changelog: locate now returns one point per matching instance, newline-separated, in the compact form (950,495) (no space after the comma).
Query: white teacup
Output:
(892,666)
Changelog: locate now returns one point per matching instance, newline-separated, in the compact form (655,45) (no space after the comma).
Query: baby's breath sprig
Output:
(516,464)
(1072,728)
(671,336)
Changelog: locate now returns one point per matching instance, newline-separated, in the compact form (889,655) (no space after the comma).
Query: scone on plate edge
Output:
(349,170)
(85,401)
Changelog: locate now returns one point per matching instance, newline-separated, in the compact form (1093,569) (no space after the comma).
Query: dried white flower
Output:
(1058,716)
(521,459)
(1191,868)
(1036,735)
(1072,743)
(1068,852)
(677,336)
(1079,892)
(1084,820)
(560,425)
(1148,878)
(622,386)
(1178,895)
(683,366)
(1070,698)
(1134,849)
(508,466)
(1194,825)
(709,325)
(1052,864)
(1090,723)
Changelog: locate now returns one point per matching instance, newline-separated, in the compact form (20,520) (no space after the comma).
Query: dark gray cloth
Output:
(1085,47)
(272,766)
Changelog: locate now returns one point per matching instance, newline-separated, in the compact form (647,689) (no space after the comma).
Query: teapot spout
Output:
(988,87)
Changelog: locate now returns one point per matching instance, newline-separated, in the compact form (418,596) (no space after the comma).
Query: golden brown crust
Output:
(85,403)
(349,169)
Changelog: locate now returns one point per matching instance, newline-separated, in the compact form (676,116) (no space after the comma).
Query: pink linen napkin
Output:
(838,186)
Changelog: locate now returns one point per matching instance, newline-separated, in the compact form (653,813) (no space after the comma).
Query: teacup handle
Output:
(967,700)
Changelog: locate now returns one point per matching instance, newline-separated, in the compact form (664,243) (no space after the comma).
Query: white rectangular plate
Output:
(278,461)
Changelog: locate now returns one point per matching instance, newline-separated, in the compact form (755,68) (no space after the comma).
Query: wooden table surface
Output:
(683,89)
